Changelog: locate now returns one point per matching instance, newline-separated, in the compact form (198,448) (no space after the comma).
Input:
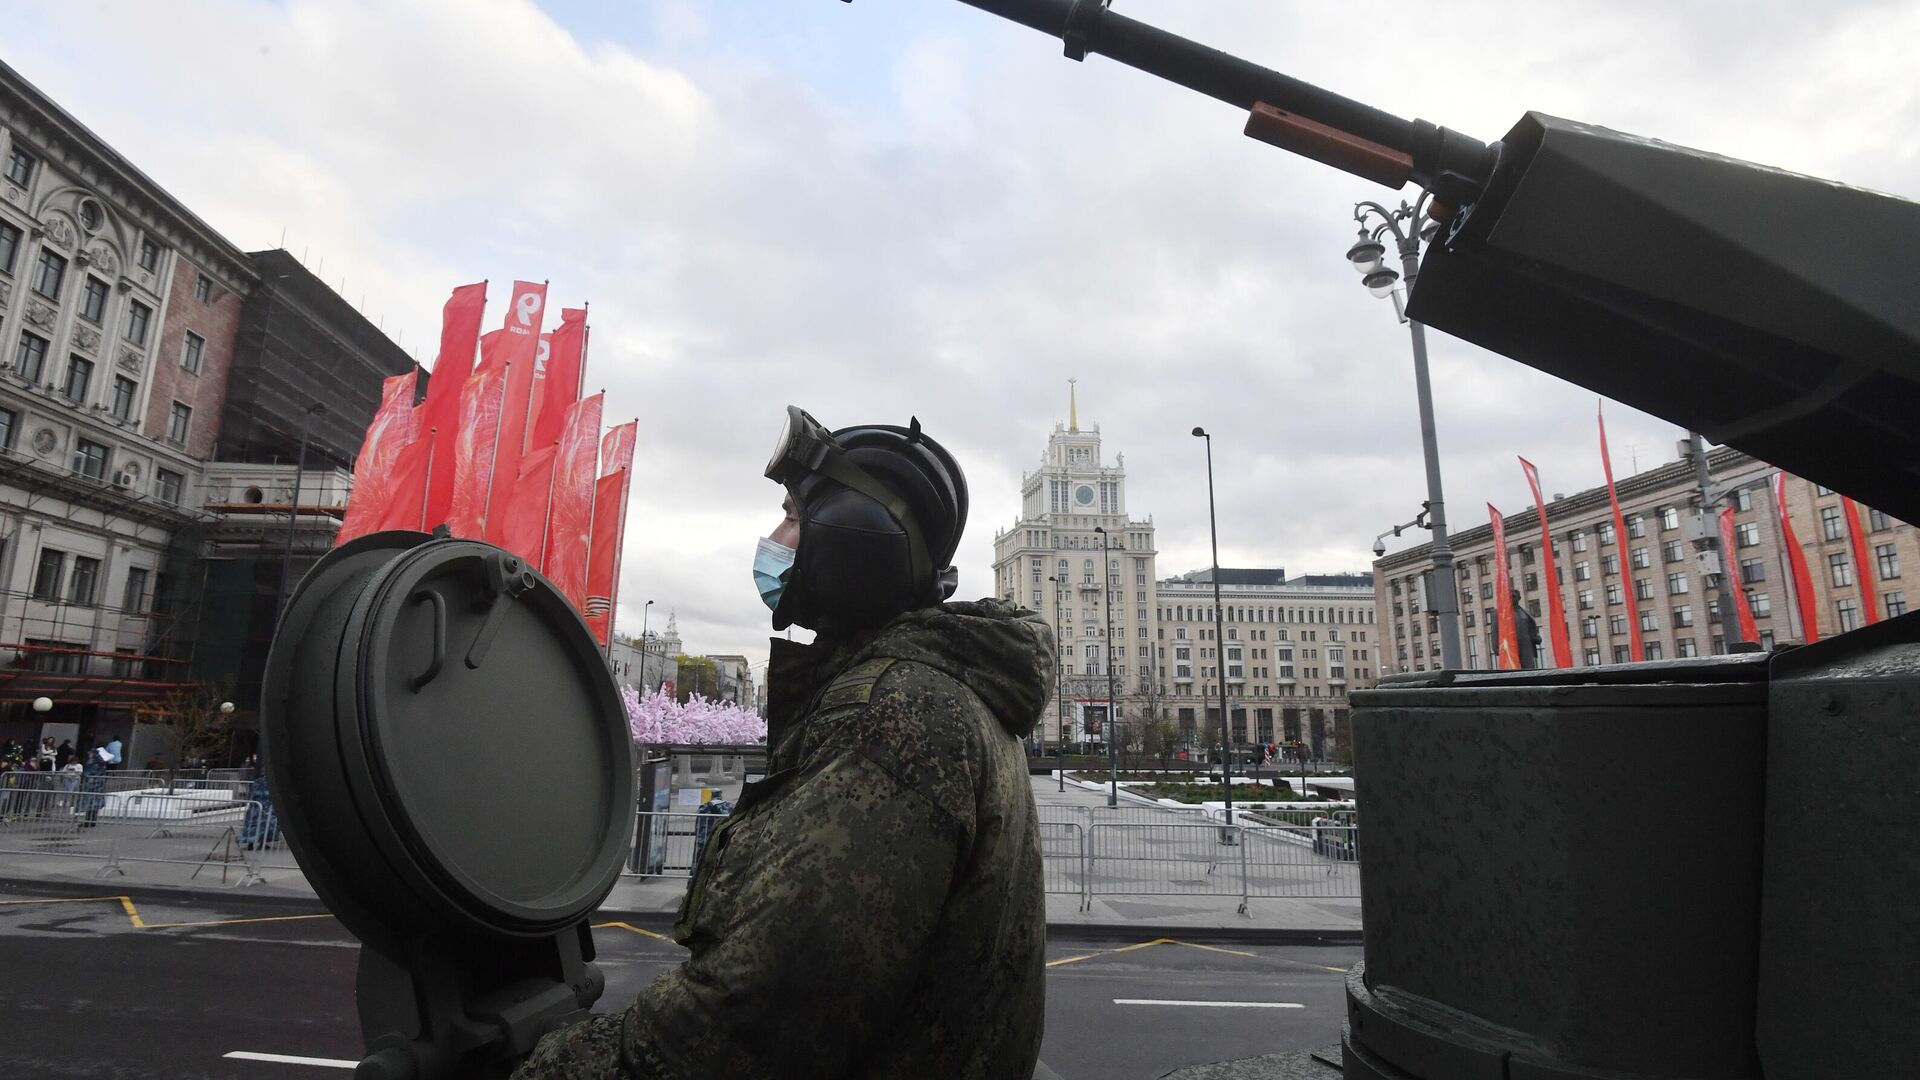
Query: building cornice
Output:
(90,160)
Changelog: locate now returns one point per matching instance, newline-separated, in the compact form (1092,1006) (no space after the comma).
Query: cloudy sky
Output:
(909,207)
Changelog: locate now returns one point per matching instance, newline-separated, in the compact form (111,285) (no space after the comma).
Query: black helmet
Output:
(881,511)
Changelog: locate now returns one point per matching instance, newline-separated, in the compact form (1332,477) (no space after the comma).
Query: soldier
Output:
(874,907)
(1526,632)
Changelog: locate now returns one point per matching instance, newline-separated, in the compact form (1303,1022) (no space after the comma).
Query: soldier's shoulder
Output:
(916,722)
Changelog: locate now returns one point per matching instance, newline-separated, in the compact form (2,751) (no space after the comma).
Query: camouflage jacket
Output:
(874,907)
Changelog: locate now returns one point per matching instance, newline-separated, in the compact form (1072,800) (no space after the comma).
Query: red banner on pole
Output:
(616,450)
(1507,657)
(571,532)
(517,349)
(523,521)
(559,383)
(1732,584)
(1857,537)
(1797,562)
(1557,610)
(603,556)
(474,458)
(1620,546)
(390,432)
(412,473)
(459,340)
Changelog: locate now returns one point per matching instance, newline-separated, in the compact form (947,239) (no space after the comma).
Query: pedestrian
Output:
(113,751)
(873,908)
(64,754)
(93,786)
(47,753)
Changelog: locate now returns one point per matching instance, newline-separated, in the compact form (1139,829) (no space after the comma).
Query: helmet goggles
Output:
(807,448)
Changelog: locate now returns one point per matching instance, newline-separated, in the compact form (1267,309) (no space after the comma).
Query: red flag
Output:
(523,522)
(389,433)
(1508,654)
(572,509)
(459,337)
(559,384)
(1620,546)
(616,450)
(474,459)
(1857,536)
(1748,631)
(517,350)
(1557,624)
(603,555)
(1797,562)
(407,501)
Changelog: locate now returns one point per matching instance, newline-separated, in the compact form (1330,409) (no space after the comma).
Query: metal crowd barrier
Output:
(674,841)
(203,830)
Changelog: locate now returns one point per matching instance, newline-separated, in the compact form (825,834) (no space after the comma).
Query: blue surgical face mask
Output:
(770,565)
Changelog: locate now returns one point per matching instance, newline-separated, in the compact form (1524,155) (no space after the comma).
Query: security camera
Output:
(1379,547)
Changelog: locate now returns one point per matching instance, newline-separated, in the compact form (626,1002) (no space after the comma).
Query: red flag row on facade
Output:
(504,449)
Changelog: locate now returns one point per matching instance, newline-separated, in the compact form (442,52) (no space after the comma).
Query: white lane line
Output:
(291,1059)
(1212,1004)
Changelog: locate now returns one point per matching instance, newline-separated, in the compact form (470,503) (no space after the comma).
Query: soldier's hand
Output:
(584,1051)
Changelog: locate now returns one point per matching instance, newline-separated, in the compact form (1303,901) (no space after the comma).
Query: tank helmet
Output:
(881,511)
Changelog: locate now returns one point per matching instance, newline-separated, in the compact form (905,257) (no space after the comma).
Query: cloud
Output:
(882,210)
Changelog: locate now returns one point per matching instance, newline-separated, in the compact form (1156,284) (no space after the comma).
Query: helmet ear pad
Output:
(853,565)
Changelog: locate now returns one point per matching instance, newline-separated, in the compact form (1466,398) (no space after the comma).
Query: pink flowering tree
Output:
(656,719)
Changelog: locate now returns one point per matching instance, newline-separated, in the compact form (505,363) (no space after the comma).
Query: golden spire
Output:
(1073,406)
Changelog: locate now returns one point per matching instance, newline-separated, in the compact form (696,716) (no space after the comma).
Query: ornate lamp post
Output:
(1113,705)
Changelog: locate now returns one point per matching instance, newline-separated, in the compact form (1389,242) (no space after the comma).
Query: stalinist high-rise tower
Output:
(1057,561)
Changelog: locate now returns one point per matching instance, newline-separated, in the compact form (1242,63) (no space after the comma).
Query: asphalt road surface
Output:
(127,989)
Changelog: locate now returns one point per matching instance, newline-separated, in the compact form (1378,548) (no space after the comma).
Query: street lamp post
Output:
(1365,255)
(1113,706)
(293,512)
(1060,683)
(646,612)
(1219,641)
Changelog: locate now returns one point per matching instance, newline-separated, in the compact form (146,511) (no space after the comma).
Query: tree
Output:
(699,675)
(1160,738)
(191,722)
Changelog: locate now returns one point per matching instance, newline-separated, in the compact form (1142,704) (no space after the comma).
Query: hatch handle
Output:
(439,637)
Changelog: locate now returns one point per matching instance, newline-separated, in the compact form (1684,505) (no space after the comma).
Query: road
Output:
(135,989)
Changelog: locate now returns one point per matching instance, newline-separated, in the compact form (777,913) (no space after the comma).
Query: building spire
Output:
(1073,406)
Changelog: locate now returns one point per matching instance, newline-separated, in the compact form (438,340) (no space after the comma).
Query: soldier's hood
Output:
(1002,652)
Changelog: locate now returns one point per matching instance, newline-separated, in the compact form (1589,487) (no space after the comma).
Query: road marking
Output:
(292,1059)
(635,929)
(1065,960)
(1212,1004)
(233,922)
(126,905)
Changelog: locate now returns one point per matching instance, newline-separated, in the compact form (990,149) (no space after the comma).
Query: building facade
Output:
(1676,588)
(1137,647)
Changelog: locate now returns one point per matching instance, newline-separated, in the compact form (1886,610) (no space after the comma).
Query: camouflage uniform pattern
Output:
(874,908)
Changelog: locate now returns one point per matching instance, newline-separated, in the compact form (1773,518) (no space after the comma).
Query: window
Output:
(1590,626)
(1614,595)
(1591,658)
(1676,583)
(90,459)
(1649,620)
(1896,604)
(9,246)
(49,272)
(1610,563)
(1622,654)
(1830,526)
(1822,489)
(46,576)
(1682,615)
(1747,535)
(1642,558)
(93,300)
(1888,560)
(1876,521)
(1643,589)
(1636,527)
(1686,646)
(124,391)
(1616,624)
(1673,551)
(1840,570)
(1753,571)
(1583,571)
(203,288)
(1849,615)
(7,420)
(1653,651)
(1606,535)
(79,378)
(1743,499)
(179,416)
(85,580)
(149,255)
(30,359)
(1586,599)
(1669,518)
(20,166)
(1578,539)
(136,591)
(139,316)
(1761,603)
